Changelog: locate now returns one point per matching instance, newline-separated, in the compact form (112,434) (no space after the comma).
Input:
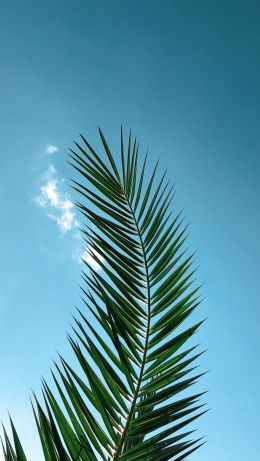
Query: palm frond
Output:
(130,401)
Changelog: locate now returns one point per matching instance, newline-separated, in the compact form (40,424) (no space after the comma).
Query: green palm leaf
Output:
(130,400)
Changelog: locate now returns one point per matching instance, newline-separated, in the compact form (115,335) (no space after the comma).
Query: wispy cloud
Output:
(51,149)
(60,209)
(58,205)
(86,256)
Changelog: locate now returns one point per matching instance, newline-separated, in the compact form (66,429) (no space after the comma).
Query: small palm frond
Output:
(130,401)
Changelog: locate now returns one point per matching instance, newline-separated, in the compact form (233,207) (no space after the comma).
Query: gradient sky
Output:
(184,75)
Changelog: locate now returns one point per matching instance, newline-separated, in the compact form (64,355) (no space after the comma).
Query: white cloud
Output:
(65,221)
(50,149)
(60,209)
(86,256)
(58,204)
(49,195)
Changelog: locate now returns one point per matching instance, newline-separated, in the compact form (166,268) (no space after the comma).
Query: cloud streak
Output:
(51,149)
(58,205)
(60,209)
(88,258)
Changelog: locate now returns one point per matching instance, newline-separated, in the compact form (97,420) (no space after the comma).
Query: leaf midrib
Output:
(135,397)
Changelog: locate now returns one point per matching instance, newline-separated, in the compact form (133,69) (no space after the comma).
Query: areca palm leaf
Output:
(130,401)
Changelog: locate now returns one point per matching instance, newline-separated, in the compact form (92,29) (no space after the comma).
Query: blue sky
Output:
(184,75)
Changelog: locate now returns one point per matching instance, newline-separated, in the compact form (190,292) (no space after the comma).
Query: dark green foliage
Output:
(130,402)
